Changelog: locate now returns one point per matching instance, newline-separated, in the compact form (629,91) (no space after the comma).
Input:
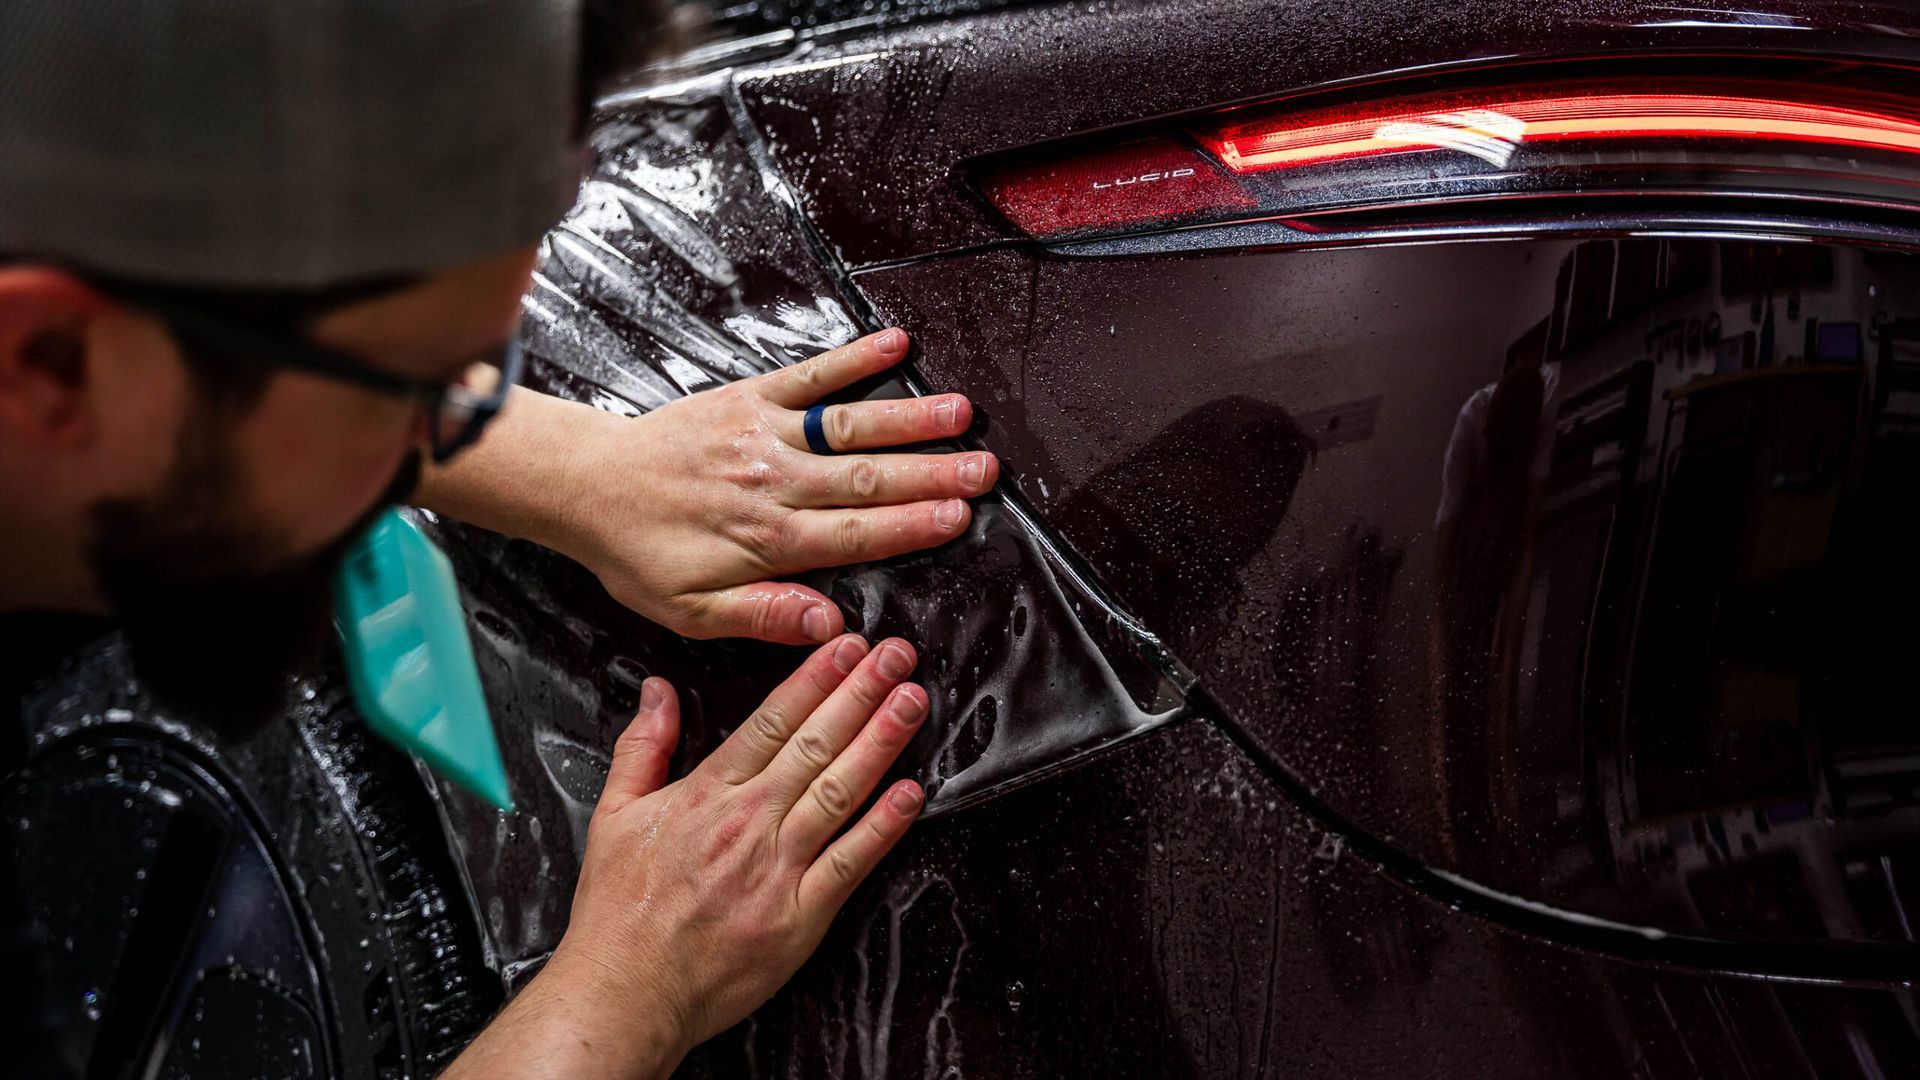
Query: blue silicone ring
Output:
(816,430)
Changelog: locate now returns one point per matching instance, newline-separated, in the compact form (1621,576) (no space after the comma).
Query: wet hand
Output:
(693,513)
(698,899)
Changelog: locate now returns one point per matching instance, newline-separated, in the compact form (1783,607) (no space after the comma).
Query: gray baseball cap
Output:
(283,144)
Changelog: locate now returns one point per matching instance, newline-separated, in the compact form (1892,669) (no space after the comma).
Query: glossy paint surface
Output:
(871,130)
(1512,670)
(1163,911)
(1571,566)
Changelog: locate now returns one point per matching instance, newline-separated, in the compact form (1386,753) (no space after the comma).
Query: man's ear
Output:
(46,377)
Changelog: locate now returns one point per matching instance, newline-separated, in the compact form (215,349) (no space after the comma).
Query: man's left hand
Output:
(692,514)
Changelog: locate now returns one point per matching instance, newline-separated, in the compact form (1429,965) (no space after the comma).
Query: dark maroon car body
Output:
(1467,643)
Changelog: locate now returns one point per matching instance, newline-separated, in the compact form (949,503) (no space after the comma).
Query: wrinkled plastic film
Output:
(679,272)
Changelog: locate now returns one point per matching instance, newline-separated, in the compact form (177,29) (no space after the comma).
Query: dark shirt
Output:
(31,649)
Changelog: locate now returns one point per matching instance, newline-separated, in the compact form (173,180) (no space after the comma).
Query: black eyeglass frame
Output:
(449,405)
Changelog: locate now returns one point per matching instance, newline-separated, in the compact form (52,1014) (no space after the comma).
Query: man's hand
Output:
(699,899)
(693,513)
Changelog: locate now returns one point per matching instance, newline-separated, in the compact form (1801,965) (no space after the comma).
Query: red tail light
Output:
(1678,136)
(1495,126)
(1151,181)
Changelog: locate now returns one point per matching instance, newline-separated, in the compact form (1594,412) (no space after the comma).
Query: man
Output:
(245,252)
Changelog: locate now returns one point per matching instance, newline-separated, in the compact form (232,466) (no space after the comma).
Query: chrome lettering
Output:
(1142,178)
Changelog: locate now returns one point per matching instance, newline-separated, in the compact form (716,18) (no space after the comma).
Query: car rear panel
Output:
(1501,617)
(872,131)
(1164,910)
(1560,562)
(1563,563)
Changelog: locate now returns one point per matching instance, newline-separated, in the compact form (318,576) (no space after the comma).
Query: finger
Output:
(808,381)
(767,611)
(833,725)
(891,479)
(811,539)
(748,750)
(844,865)
(831,798)
(641,753)
(869,425)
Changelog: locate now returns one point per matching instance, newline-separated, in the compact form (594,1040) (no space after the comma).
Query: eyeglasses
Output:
(457,410)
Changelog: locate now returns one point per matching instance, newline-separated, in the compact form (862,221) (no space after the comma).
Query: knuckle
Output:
(809,374)
(631,748)
(762,616)
(833,796)
(888,739)
(813,749)
(769,726)
(863,478)
(725,836)
(842,423)
(632,741)
(867,689)
(842,866)
(850,536)
(757,475)
(827,678)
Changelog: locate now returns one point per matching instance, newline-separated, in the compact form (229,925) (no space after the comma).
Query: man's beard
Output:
(216,617)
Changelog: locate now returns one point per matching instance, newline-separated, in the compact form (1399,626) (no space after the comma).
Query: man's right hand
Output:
(698,899)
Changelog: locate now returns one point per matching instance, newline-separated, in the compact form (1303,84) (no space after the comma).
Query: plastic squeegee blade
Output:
(409,658)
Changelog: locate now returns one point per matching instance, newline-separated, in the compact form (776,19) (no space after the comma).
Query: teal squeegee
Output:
(409,659)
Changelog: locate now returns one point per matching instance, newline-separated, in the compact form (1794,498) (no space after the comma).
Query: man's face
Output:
(220,572)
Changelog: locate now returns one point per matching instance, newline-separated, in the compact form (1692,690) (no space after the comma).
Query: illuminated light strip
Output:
(1481,129)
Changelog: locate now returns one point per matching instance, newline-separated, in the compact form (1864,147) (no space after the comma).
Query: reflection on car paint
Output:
(1170,913)
(1253,466)
(869,146)
(1597,607)
(1311,624)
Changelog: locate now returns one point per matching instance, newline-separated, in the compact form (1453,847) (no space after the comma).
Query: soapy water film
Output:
(681,269)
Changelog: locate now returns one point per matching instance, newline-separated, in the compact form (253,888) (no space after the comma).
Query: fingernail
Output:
(848,654)
(895,662)
(904,799)
(907,708)
(943,411)
(653,694)
(947,514)
(973,471)
(893,340)
(817,624)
